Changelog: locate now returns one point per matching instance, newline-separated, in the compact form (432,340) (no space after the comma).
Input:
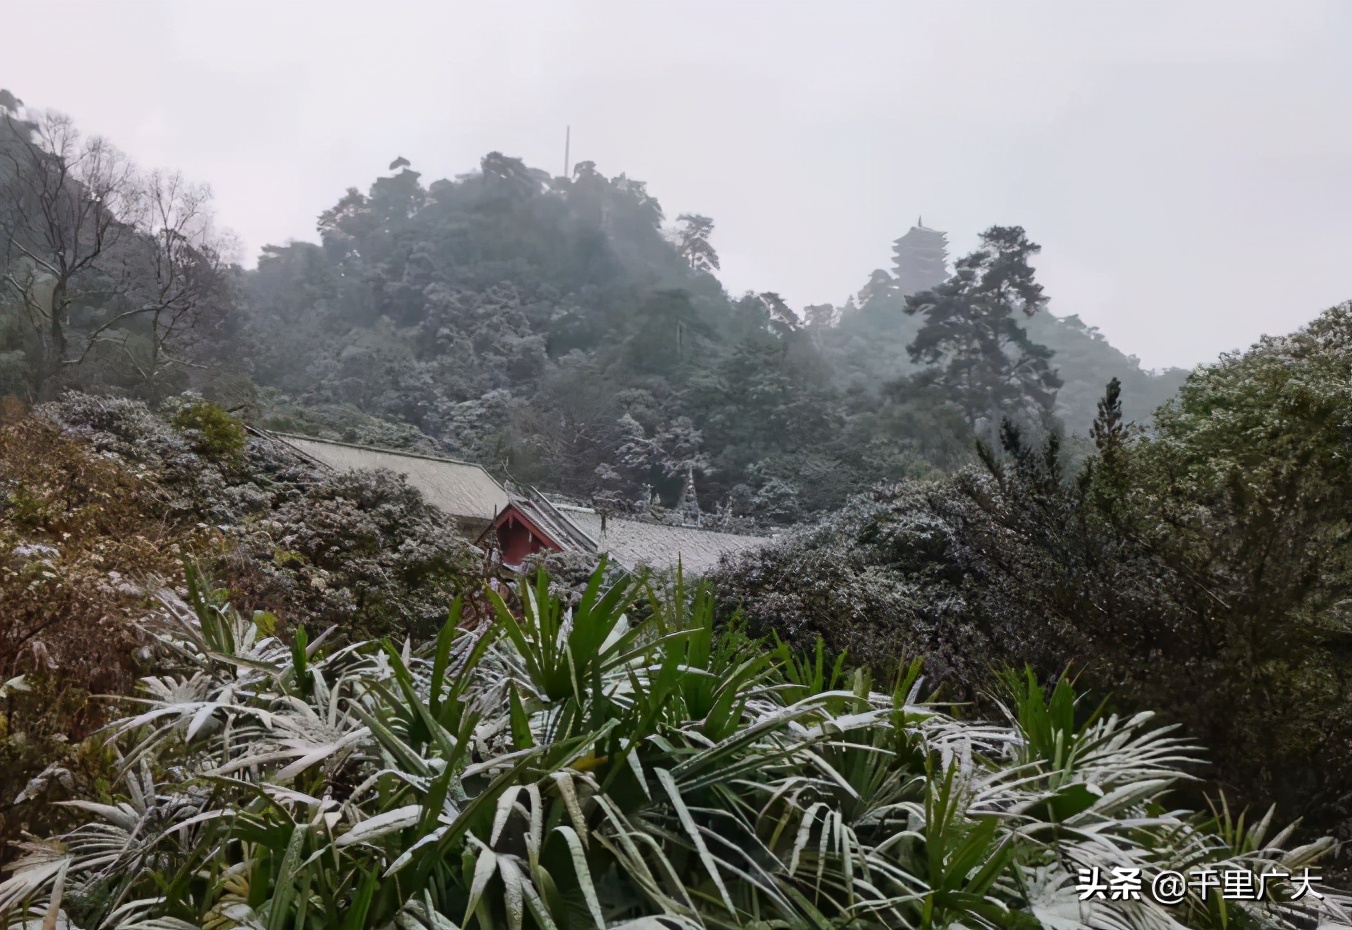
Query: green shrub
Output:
(29,510)
(574,767)
(216,434)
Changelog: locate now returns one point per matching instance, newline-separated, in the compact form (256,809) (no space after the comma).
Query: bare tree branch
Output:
(126,252)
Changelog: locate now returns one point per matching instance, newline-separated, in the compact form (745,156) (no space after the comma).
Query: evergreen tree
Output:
(693,242)
(1109,431)
(980,355)
(782,319)
(510,176)
(687,509)
(819,316)
(880,286)
(920,259)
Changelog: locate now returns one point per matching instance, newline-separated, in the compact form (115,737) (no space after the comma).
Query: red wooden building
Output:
(528,525)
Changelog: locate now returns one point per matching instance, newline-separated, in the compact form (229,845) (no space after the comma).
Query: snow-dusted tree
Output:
(880,286)
(1109,430)
(508,174)
(168,278)
(782,319)
(693,242)
(673,451)
(819,316)
(778,501)
(634,455)
(980,355)
(63,208)
(679,449)
(95,253)
(686,512)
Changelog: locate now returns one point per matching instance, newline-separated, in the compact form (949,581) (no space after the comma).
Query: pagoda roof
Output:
(923,232)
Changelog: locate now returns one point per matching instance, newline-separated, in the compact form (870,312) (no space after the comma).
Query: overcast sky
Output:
(1187,168)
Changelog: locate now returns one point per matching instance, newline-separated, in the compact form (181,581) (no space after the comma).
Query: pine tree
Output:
(1107,478)
(880,287)
(693,242)
(1109,431)
(983,359)
(819,316)
(782,319)
(920,259)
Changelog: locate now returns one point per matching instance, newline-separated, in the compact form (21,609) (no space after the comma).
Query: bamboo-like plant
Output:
(571,768)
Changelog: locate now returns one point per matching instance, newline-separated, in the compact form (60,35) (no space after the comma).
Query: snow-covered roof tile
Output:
(657,545)
(458,489)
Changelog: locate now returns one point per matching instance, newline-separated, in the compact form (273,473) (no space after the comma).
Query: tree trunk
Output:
(54,363)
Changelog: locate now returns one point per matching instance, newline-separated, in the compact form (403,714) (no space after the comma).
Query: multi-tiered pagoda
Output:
(920,259)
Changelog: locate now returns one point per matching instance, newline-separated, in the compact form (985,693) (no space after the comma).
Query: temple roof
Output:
(459,489)
(634,543)
(468,493)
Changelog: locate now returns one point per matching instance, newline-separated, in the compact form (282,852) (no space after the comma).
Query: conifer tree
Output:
(880,287)
(980,355)
(782,319)
(693,242)
(1109,431)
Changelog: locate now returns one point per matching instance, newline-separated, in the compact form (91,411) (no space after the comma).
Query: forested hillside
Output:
(556,329)
(559,330)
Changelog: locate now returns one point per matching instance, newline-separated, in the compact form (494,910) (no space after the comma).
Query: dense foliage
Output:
(100,500)
(1200,568)
(583,767)
(78,536)
(357,549)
